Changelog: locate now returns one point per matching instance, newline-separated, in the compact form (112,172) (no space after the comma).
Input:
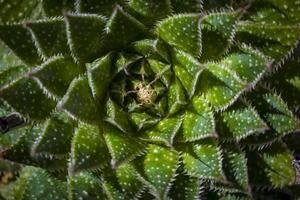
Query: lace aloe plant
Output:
(149,99)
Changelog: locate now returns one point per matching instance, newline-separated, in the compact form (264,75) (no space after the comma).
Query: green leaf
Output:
(11,73)
(128,178)
(30,101)
(50,36)
(187,69)
(206,163)
(183,32)
(242,122)
(58,7)
(112,193)
(143,120)
(88,150)
(123,148)
(103,7)
(154,10)
(85,186)
(187,6)
(35,183)
(55,75)
(85,35)
(15,11)
(280,170)
(56,136)
(100,75)
(122,29)
(160,167)
(79,95)
(249,66)
(200,123)
(116,116)
(24,46)
(161,70)
(220,86)
(165,131)
(218,30)
(176,97)
(235,167)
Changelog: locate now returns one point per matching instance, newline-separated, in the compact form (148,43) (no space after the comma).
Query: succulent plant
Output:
(149,99)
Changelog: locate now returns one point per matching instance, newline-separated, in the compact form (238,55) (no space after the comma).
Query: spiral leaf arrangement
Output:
(149,99)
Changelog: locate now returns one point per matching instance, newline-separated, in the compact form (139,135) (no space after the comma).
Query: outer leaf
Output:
(242,123)
(85,35)
(220,86)
(10,74)
(200,124)
(187,69)
(55,75)
(85,186)
(207,163)
(151,9)
(23,46)
(79,95)
(122,147)
(104,7)
(50,36)
(88,149)
(160,167)
(122,29)
(218,30)
(58,7)
(56,136)
(187,6)
(31,100)
(129,181)
(182,32)
(100,75)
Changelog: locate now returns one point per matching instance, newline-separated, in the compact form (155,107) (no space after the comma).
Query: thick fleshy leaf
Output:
(85,186)
(279,171)
(89,150)
(35,183)
(85,35)
(117,116)
(187,6)
(207,163)
(79,95)
(151,9)
(123,148)
(176,97)
(249,66)
(235,167)
(24,46)
(143,120)
(183,32)
(165,131)
(129,181)
(161,70)
(112,193)
(103,7)
(99,75)
(160,167)
(56,74)
(30,101)
(56,136)
(220,86)
(58,7)
(122,29)
(242,122)
(217,32)
(50,36)
(200,123)
(15,11)
(11,73)
(187,69)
